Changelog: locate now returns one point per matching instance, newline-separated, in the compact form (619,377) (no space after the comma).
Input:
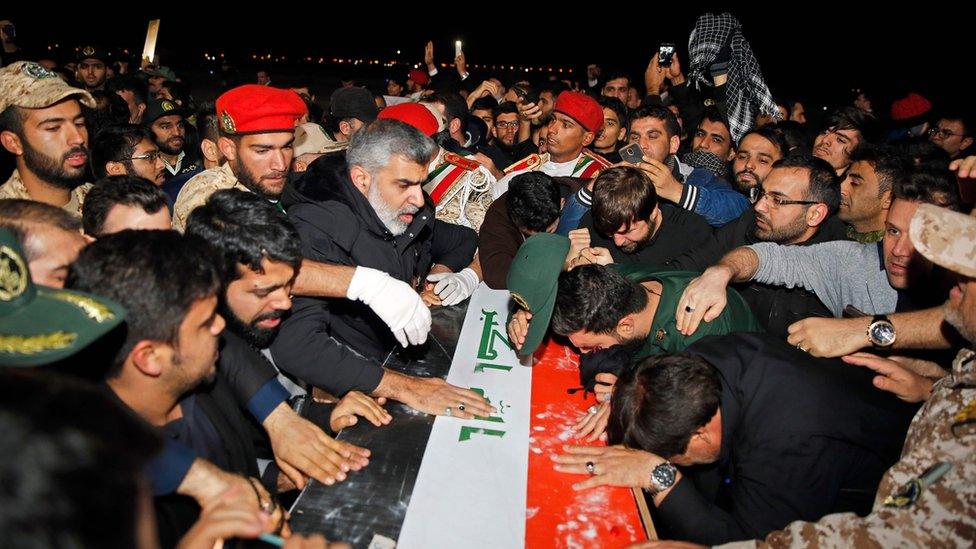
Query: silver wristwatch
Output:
(881,332)
(662,478)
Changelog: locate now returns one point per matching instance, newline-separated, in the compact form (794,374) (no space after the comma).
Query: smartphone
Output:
(526,94)
(632,153)
(664,54)
(457,48)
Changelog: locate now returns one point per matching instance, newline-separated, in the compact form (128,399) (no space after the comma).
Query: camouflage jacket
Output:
(199,188)
(14,188)
(915,506)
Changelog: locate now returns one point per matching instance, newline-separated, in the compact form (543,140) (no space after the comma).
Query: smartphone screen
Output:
(664,55)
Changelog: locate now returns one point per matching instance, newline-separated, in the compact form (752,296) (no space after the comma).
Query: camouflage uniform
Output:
(928,498)
(199,188)
(27,85)
(14,188)
(941,515)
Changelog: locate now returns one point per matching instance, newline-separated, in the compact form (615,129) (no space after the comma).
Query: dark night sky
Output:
(802,53)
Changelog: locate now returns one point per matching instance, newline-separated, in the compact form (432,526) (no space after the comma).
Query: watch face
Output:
(882,333)
(663,475)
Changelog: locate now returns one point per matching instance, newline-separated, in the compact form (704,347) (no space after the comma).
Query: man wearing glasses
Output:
(127,149)
(795,205)
(953,133)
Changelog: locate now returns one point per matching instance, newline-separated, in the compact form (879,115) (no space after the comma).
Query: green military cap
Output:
(40,325)
(533,279)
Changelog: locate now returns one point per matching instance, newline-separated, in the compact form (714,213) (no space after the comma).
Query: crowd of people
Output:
(777,318)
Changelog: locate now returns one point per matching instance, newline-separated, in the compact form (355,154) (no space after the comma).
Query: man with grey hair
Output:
(257,144)
(369,209)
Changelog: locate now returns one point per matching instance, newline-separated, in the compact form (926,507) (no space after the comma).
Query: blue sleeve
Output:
(712,198)
(268,397)
(576,206)
(168,469)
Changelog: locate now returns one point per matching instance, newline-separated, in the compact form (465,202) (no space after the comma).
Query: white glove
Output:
(454,288)
(394,301)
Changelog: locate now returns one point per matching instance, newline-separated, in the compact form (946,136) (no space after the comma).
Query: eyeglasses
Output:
(945,133)
(756,194)
(504,125)
(150,156)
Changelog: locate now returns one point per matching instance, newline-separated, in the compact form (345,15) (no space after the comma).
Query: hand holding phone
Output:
(632,154)
(664,54)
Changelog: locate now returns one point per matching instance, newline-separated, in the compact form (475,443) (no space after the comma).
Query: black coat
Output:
(234,452)
(336,343)
(801,438)
(775,307)
(680,232)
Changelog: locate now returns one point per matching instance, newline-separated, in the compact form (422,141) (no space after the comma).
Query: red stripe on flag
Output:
(444,185)
(557,515)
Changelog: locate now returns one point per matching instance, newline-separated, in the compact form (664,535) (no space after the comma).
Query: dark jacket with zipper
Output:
(337,344)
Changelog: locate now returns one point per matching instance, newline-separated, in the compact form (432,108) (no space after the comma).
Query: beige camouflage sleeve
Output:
(191,197)
(941,517)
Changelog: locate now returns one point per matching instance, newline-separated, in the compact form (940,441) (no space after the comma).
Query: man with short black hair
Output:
(845,130)
(616,85)
(874,278)
(124,202)
(796,204)
(576,120)
(43,126)
(133,90)
(758,150)
(51,238)
(92,71)
(630,307)
(698,190)
(167,122)
(629,223)
(531,205)
(713,134)
(454,110)
(614,132)
(865,191)
(743,434)
(127,149)
(953,133)
(350,109)
(258,256)
(70,443)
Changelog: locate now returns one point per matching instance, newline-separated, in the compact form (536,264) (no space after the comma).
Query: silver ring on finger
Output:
(689,309)
(590,467)
(593,409)
(448,411)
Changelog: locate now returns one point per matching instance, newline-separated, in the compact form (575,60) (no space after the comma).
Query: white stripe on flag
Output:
(471,488)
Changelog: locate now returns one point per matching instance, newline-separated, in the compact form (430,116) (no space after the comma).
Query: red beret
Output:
(910,106)
(581,108)
(418,76)
(414,114)
(259,109)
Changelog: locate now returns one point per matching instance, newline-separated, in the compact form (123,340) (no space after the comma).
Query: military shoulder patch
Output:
(461,162)
(528,163)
